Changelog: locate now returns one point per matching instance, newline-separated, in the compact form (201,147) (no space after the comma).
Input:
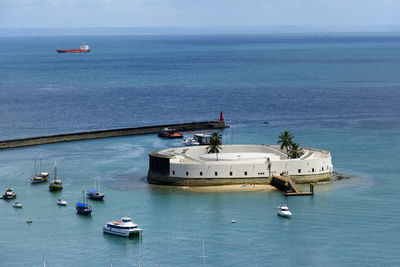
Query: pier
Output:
(289,187)
(49,139)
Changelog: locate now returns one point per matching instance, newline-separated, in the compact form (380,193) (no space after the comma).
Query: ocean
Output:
(337,92)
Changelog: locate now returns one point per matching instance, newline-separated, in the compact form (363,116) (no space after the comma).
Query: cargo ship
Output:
(84,48)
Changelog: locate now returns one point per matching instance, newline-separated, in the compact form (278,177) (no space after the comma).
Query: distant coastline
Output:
(289,29)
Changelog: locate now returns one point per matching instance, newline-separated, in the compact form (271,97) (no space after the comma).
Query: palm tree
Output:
(215,143)
(285,139)
(295,151)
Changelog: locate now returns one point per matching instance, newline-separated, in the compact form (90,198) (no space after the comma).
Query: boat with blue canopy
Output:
(83,207)
(95,194)
(17,205)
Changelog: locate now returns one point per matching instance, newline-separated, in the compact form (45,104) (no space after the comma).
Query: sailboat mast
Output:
(40,166)
(35,168)
(140,251)
(204,264)
(159,254)
(203,251)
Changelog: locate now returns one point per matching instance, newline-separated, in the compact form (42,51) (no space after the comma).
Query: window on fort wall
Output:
(245,173)
(173,172)
(187,173)
(216,173)
(201,173)
(299,170)
(312,170)
(230,173)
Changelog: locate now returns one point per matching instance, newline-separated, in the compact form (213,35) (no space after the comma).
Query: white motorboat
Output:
(125,227)
(62,202)
(17,205)
(9,194)
(190,142)
(202,138)
(284,211)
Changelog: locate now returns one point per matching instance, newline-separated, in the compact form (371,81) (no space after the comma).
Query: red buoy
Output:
(221,117)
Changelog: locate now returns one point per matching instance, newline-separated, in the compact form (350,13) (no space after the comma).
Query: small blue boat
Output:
(83,208)
(17,205)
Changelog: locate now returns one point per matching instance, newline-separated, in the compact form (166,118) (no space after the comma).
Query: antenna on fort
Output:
(232,135)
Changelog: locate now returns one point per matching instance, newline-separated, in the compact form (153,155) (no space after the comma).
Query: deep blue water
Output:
(337,92)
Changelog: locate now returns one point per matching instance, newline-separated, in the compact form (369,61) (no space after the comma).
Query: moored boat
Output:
(55,185)
(17,205)
(41,176)
(83,207)
(283,211)
(95,194)
(202,138)
(125,227)
(190,142)
(169,133)
(84,48)
(9,194)
(62,202)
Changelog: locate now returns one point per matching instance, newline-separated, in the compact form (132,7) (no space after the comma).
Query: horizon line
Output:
(131,30)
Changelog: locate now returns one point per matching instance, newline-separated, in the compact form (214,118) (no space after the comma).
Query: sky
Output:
(196,13)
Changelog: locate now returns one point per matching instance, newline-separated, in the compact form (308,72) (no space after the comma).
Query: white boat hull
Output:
(126,233)
(285,214)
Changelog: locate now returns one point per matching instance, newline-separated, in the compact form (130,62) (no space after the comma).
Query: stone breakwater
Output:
(49,139)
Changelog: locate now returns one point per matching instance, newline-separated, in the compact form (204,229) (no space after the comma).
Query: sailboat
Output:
(41,176)
(95,194)
(83,207)
(55,185)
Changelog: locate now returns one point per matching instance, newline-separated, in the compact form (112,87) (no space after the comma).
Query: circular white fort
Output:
(236,164)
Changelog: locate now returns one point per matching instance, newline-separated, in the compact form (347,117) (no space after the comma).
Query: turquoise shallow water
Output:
(334,92)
